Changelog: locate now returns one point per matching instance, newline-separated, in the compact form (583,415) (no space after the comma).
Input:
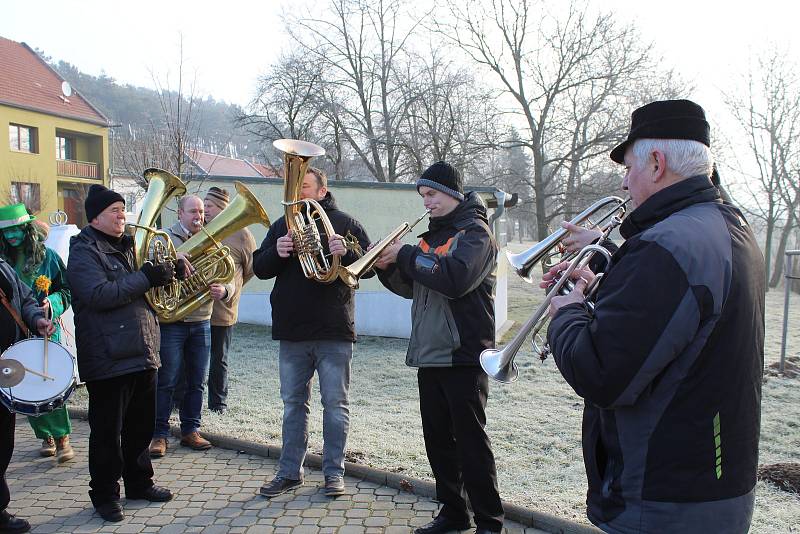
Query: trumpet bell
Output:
(499,365)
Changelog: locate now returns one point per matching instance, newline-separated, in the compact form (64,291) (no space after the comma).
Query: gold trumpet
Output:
(351,274)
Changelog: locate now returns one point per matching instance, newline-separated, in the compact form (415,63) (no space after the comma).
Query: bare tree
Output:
(166,141)
(450,117)
(567,77)
(361,44)
(769,114)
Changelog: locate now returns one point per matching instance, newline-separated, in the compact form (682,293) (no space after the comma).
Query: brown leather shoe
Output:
(48,447)
(158,447)
(195,441)
(64,451)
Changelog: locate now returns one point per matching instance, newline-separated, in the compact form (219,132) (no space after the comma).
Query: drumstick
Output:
(44,376)
(45,348)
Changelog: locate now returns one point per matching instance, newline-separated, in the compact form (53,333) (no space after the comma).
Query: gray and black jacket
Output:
(450,277)
(116,331)
(670,367)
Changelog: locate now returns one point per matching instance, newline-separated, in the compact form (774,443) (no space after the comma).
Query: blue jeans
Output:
(297,362)
(185,347)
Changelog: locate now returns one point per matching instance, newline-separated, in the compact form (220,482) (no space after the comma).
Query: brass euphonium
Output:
(303,215)
(211,260)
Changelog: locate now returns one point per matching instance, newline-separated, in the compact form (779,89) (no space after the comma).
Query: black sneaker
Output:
(334,486)
(279,485)
(9,523)
(111,511)
(440,525)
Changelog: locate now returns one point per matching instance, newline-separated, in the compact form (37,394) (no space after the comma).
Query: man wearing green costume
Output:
(41,268)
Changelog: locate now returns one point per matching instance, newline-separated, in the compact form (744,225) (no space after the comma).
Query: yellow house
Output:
(53,142)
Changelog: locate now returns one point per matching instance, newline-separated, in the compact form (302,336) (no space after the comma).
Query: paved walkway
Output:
(215,492)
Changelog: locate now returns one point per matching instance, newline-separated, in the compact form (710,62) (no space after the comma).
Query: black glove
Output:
(159,274)
(181,272)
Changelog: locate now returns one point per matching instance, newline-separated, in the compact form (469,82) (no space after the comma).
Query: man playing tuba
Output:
(314,323)
(186,348)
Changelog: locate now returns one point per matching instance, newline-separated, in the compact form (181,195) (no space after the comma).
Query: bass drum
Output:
(35,395)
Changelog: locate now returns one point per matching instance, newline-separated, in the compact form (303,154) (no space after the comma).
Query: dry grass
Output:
(534,424)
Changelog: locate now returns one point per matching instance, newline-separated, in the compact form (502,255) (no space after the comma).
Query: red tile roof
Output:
(28,82)
(218,165)
(269,172)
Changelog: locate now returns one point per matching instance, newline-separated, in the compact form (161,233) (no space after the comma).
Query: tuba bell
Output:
(303,215)
(211,260)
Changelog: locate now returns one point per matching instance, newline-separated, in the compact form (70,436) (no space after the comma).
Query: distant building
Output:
(53,142)
(207,164)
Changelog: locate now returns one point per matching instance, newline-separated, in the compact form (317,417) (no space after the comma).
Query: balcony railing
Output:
(76,169)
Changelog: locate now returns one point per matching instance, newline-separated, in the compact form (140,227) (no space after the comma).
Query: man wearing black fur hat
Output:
(450,277)
(117,340)
(670,362)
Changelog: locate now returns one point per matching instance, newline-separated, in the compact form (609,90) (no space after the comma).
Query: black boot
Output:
(9,523)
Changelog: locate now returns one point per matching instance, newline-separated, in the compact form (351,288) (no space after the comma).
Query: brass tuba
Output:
(303,215)
(151,244)
(211,260)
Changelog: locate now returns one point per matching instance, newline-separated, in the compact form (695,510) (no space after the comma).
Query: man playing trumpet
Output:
(450,276)
(670,363)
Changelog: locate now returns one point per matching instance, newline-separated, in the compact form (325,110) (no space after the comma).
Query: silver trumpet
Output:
(524,262)
(499,363)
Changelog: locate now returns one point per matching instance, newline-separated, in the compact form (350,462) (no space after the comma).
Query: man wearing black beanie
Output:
(117,340)
(450,276)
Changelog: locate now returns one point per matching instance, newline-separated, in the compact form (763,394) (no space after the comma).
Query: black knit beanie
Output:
(98,199)
(443,177)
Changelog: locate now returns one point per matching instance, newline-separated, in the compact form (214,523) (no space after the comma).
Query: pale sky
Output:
(228,44)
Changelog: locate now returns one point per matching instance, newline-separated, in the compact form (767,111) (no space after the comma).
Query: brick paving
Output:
(216,491)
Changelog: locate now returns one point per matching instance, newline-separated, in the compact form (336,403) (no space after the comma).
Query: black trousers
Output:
(452,401)
(7,422)
(218,368)
(122,412)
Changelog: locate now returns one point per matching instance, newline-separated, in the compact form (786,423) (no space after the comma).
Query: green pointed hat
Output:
(14,215)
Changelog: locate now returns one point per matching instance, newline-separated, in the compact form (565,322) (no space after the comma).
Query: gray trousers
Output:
(297,362)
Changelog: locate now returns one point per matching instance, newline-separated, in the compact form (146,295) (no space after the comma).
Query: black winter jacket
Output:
(670,367)
(304,309)
(116,331)
(21,299)
(450,276)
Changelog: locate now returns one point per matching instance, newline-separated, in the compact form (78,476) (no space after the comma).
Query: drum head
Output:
(35,389)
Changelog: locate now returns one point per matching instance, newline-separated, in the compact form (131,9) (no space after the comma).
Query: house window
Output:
(28,193)
(65,148)
(23,138)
